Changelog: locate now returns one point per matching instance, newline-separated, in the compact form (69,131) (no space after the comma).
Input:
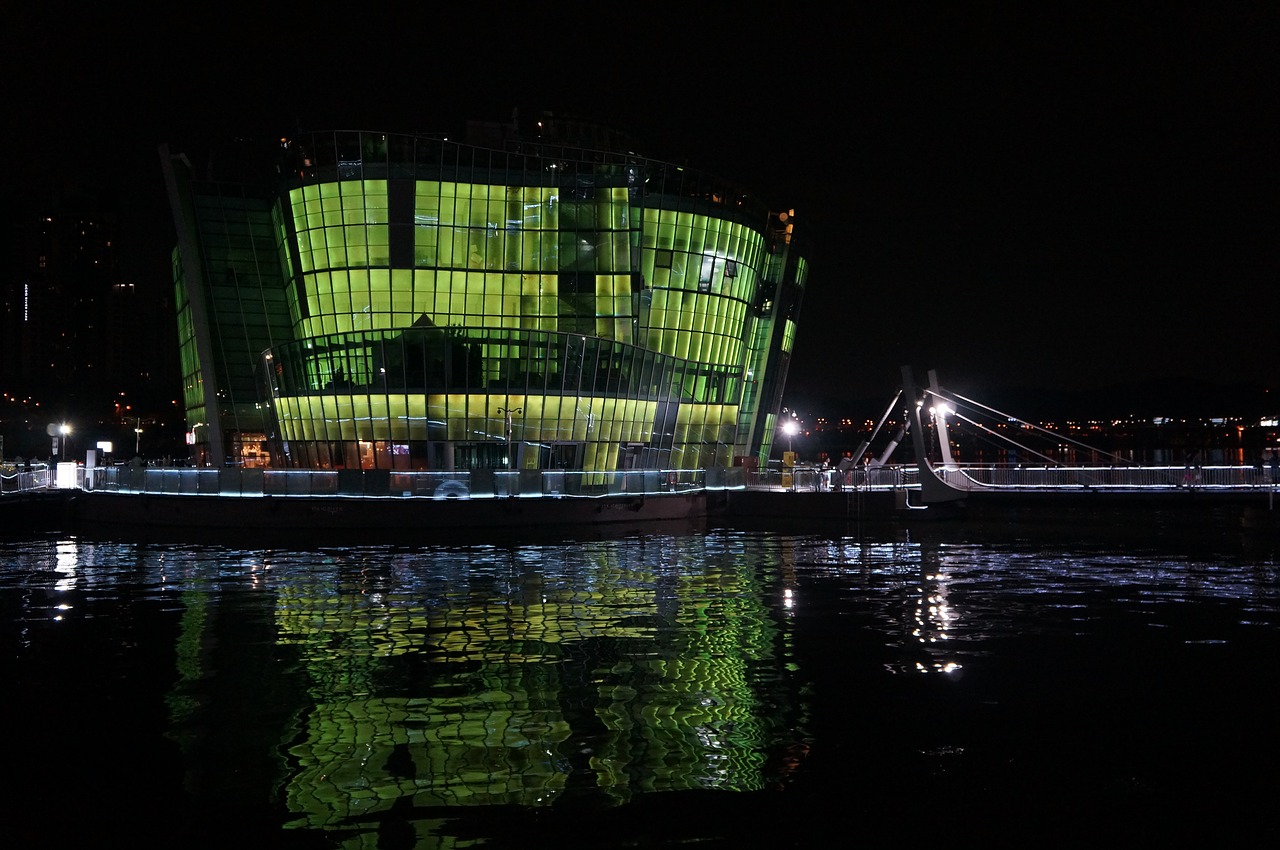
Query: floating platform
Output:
(102,514)
(315,519)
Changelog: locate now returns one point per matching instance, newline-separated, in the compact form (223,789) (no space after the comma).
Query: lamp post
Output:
(197,457)
(65,431)
(507,412)
(791,427)
(137,437)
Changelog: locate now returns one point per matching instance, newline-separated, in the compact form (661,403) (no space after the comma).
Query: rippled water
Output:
(721,688)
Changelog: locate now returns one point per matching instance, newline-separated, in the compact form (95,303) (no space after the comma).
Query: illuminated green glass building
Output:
(538,298)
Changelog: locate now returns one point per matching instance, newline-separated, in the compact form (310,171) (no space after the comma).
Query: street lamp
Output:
(508,411)
(197,454)
(137,437)
(791,427)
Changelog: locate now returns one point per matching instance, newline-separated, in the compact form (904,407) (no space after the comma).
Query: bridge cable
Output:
(1038,428)
(1010,440)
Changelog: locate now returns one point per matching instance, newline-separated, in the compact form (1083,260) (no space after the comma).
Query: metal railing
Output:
(815,479)
(1021,478)
(534,483)
(1129,478)
(473,484)
(20,480)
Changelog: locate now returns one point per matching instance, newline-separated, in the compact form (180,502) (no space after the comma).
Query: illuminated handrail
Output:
(402,484)
(995,477)
(817,479)
(1119,478)
(23,481)
(493,484)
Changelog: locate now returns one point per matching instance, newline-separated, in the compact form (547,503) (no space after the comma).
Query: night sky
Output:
(1054,197)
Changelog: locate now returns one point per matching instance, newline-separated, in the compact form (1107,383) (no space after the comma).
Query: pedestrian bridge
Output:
(997,477)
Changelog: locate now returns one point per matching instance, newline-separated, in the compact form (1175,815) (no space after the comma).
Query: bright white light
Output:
(65,477)
(791,427)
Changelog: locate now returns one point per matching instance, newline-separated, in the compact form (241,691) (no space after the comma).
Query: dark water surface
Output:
(716,688)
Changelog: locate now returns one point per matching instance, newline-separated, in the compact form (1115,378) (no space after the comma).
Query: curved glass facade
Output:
(510,305)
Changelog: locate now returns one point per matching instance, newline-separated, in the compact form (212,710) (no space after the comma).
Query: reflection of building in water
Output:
(517,689)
